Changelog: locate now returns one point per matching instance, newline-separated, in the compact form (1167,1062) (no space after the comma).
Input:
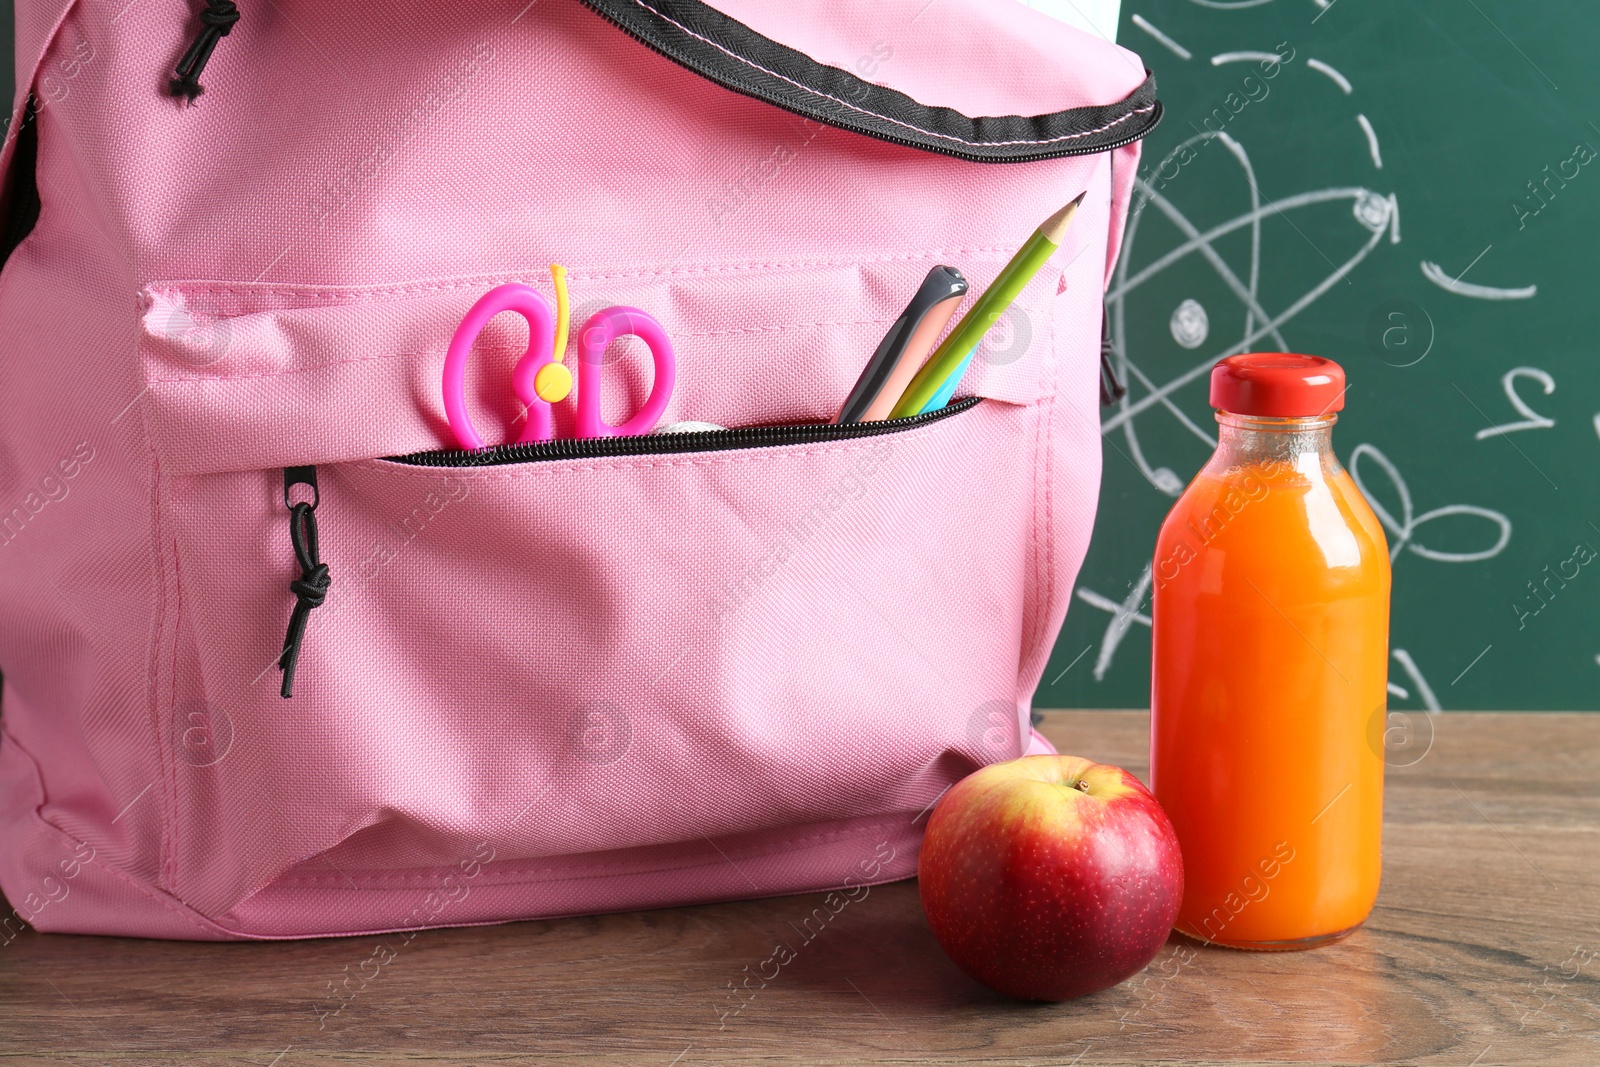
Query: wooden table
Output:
(1484,949)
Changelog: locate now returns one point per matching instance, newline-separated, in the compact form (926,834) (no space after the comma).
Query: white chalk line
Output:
(1123,616)
(1405,527)
(1172,46)
(1338,79)
(1435,274)
(1372,140)
(1204,366)
(1237,222)
(1424,690)
(1165,479)
(1245,57)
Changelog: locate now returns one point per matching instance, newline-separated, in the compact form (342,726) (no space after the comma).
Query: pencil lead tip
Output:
(1054,228)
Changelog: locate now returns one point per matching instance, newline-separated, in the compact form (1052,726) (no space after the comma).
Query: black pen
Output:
(901,352)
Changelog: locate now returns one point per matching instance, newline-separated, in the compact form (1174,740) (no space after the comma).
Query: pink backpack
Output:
(613,674)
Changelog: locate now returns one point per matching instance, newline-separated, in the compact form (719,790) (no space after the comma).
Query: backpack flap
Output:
(776,231)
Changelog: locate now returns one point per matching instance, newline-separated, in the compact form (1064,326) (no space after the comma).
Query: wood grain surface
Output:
(1484,949)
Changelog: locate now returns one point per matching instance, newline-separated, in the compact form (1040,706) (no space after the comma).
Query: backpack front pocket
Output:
(570,658)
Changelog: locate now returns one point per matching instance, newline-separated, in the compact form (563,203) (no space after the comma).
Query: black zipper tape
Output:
(720,49)
(664,444)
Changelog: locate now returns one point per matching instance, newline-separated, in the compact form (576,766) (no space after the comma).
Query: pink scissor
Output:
(539,378)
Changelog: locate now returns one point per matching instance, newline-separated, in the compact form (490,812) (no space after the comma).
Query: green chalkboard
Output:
(1414,190)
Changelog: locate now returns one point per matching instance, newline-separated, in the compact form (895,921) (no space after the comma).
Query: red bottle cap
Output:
(1278,385)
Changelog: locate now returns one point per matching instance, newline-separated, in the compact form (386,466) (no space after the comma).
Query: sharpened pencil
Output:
(934,384)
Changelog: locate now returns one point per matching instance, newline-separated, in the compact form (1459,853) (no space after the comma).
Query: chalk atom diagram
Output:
(1232,253)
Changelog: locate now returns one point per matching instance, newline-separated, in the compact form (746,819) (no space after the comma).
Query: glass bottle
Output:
(1269,677)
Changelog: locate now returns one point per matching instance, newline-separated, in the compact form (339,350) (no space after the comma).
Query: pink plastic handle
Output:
(541,338)
(602,328)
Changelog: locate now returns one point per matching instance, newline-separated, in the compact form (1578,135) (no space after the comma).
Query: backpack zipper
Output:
(668,444)
(311,588)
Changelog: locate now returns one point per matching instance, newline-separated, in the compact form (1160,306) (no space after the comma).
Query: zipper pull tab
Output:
(216,22)
(311,589)
(1111,387)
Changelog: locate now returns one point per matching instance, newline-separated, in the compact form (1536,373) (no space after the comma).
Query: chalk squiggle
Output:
(1435,274)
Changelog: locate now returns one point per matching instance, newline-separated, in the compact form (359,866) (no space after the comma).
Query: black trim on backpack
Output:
(22,204)
(720,49)
(1111,387)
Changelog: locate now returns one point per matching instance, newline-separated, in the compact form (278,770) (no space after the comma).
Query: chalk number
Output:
(1531,419)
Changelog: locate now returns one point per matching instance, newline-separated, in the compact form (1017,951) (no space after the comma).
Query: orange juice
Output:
(1271,612)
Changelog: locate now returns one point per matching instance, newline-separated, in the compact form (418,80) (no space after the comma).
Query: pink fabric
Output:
(541,689)
(1038,745)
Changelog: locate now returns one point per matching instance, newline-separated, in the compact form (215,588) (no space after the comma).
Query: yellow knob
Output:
(552,383)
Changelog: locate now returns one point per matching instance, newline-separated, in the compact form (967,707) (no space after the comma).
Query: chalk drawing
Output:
(1424,690)
(1245,57)
(1190,324)
(1123,616)
(1404,528)
(1172,46)
(1531,419)
(1246,323)
(1376,213)
(1338,79)
(1372,140)
(1435,274)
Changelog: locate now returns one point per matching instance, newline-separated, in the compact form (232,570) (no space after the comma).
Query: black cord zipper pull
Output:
(216,22)
(311,588)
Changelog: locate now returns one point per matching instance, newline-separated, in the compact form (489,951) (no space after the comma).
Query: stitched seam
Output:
(518,874)
(51,828)
(1035,585)
(886,118)
(460,924)
(787,326)
(275,373)
(234,289)
(216,379)
(1046,536)
(170,831)
(1048,414)
(165,624)
(376,931)
(367,359)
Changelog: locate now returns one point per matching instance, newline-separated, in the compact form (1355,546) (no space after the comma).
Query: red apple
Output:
(1048,877)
